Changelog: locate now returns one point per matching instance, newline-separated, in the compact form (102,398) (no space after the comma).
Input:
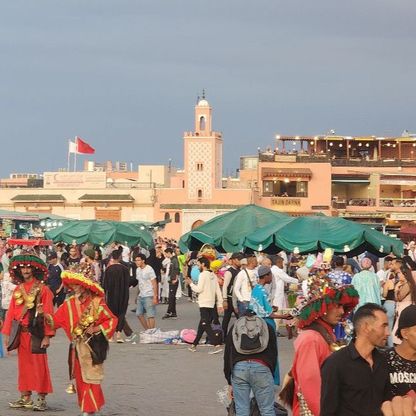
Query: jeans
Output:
(242,307)
(252,376)
(145,306)
(390,307)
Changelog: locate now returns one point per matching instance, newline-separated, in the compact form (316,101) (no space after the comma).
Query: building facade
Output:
(367,179)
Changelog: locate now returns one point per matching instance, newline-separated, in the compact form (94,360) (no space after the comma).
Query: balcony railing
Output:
(398,202)
(320,158)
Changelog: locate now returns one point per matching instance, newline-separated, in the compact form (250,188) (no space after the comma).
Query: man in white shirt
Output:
(280,277)
(244,283)
(385,271)
(147,298)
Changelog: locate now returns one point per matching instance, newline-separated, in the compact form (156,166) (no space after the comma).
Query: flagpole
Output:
(75,155)
(69,154)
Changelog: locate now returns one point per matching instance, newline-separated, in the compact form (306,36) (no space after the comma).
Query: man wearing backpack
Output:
(249,363)
(227,289)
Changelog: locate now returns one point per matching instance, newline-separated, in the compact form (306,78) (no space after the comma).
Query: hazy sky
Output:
(124,74)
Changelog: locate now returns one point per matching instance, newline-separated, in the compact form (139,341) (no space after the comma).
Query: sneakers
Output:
(131,338)
(192,348)
(22,403)
(170,315)
(119,339)
(40,405)
(217,349)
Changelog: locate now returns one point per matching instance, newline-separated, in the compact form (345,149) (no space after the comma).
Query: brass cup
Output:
(70,389)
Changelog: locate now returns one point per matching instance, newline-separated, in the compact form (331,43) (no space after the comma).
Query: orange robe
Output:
(33,374)
(90,396)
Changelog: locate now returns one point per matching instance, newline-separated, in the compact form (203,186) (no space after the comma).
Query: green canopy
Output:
(315,233)
(101,233)
(226,232)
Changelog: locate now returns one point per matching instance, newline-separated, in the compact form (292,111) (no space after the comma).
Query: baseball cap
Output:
(236,256)
(407,319)
(263,270)
(52,255)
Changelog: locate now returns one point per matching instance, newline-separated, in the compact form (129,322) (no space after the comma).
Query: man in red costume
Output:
(32,307)
(89,324)
(318,314)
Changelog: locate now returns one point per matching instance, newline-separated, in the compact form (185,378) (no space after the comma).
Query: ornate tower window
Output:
(202,123)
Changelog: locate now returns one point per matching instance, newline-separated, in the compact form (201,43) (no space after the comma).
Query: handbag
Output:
(36,345)
(14,338)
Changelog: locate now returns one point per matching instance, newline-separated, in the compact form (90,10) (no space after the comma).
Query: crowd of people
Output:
(354,320)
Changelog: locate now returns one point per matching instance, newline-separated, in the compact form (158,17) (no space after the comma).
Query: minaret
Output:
(202,155)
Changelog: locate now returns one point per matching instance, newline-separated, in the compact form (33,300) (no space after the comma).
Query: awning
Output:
(19,216)
(199,206)
(398,180)
(339,178)
(106,198)
(38,198)
(408,230)
(286,173)
(362,214)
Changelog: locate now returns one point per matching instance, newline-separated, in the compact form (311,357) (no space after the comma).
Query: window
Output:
(267,188)
(167,216)
(286,188)
(202,123)
(199,167)
(199,193)
(177,217)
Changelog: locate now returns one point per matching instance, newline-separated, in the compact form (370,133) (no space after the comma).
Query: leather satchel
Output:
(14,338)
(36,345)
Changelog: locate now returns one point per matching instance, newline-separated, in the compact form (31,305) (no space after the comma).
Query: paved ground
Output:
(141,379)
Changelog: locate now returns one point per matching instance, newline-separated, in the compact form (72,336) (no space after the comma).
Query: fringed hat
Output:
(321,294)
(80,275)
(39,268)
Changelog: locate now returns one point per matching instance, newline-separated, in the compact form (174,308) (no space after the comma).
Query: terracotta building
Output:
(368,179)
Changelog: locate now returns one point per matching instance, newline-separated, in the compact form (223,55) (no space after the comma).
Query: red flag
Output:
(83,147)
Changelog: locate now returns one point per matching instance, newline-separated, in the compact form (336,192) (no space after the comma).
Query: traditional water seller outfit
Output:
(316,341)
(89,324)
(28,325)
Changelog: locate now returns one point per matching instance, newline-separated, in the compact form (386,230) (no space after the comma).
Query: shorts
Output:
(145,306)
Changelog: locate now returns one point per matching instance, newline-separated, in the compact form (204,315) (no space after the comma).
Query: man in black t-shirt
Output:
(401,360)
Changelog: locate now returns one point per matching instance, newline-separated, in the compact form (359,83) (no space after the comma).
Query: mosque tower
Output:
(202,155)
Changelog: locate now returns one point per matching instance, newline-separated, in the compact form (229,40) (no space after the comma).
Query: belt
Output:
(24,329)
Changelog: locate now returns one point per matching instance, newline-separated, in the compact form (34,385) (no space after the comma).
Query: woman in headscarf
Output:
(367,284)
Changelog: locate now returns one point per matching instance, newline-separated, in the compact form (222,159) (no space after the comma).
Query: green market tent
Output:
(226,232)
(101,233)
(315,233)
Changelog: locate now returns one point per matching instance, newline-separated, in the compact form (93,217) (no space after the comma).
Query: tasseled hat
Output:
(322,292)
(39,267)
(80,275)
